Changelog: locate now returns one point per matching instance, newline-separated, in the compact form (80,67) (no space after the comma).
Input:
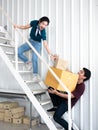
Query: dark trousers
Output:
(62,107)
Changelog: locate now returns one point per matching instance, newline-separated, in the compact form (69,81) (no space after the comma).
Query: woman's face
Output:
(43,25)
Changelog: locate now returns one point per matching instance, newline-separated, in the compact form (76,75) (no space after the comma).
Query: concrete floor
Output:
(10,126)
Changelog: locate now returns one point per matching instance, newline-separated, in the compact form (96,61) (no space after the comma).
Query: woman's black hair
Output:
(44,19)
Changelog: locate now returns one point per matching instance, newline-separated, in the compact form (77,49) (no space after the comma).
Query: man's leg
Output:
(63,107)
(56,100)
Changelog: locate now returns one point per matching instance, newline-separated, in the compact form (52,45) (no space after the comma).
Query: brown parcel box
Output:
(8,105)
(2,116)
(26,120)
(8,119)
(60,64)
(68,78)
(17,121)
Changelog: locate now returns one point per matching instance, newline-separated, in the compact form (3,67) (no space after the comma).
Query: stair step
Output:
(31,81)
(2,39)
(9,53)
(42,85)
(19,62)
(45,102)
(2,33)
(35,92)
(22,72)
(39,91)
(6,45)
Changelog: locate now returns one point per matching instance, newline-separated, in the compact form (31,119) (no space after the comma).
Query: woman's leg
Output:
(37,46)
(23,48)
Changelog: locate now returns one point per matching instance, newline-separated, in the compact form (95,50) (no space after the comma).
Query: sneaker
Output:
(28,65)
(36,78)
(52,109)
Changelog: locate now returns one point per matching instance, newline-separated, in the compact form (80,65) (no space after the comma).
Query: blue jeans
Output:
(62,107)
(25,47)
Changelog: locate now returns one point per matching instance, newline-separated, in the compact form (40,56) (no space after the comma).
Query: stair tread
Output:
(3,33)
(9,53)
(31,81)
(25,71)
(6,45)
(45,102)
(39,91)
(20,62)
(4,38)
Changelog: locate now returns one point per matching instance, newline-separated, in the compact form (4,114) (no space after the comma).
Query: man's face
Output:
(81,74)
(43,25)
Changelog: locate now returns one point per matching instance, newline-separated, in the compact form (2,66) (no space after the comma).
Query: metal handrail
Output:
(51,71)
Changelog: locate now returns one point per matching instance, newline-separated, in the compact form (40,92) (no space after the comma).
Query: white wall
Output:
(72,34)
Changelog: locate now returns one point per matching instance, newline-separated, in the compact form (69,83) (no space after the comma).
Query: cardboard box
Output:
(18,115)
(8,119)
(60,64)
(2,116)
(68,78)
(26,120)
(2,104)
(2,110)
(35,121)
(17,110)
(17,121)
(8,105)
(8,113)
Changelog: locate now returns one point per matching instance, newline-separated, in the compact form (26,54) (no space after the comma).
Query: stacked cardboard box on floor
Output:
(6,106)
(1,114)
(13,113)
(26,121)
(17,114)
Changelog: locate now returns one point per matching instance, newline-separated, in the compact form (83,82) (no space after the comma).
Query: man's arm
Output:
(22,26)
(63,95)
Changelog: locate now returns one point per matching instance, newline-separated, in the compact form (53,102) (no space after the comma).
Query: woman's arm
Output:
(22,26)
(53,57)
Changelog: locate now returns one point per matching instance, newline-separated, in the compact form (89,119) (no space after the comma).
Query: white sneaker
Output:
(28,65)
(36,78)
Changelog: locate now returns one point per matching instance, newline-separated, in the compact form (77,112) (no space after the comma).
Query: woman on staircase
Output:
(37,34)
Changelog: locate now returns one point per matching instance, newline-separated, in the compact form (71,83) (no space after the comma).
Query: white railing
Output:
(52,72)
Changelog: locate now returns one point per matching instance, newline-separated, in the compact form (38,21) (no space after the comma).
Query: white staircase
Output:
(22,77)
(7,52)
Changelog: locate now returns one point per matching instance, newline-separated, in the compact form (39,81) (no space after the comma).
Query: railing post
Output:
(69,112)
(16,49)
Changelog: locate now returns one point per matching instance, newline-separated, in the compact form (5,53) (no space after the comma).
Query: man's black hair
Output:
(44,19)
(87,73)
